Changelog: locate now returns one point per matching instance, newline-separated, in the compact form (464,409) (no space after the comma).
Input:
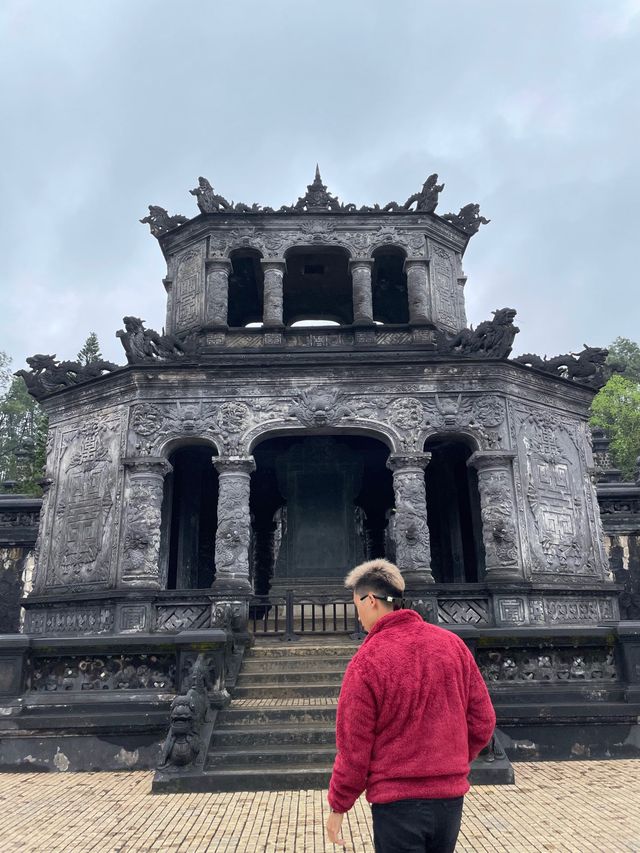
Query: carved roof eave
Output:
(432,224)
(109,385)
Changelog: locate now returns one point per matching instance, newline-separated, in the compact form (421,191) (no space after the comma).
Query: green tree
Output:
(90,352)
(616,409)
(625,354)
(23,433)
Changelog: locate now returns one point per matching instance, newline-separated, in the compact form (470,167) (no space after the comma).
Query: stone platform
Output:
(578,806)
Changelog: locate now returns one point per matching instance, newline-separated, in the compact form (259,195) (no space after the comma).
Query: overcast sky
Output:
(530,108)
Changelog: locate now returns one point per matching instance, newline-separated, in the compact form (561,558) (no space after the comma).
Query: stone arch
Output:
(321,500)
(371,429)
(174,442)
(474,439)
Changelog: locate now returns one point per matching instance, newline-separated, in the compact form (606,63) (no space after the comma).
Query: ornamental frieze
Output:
(558,665)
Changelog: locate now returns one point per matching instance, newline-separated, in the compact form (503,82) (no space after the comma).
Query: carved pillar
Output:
(233,536)
(418,291)
(411,532)
(143,501)
(361,289)
(503,560)
(216,302)
(273,292)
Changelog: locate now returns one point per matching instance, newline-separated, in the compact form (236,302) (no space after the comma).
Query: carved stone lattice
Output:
(540,665)
(104,672)
(467,611)
(180,617)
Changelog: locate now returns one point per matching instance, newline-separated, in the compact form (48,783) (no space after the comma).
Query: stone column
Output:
(273,293)
(143,495)
(233,534)
(361,289)
(216,303)
(418,291)
(411,532)
(503,560)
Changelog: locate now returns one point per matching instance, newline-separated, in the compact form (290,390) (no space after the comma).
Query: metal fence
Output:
(292,616)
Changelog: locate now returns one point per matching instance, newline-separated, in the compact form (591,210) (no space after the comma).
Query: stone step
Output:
(303,664)
(278,715)
(329,689)
(305,676)
(294,650)
(265,778)
(228,738)
(268,756)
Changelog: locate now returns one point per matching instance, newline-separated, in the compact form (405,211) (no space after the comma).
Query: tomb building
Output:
(317,398)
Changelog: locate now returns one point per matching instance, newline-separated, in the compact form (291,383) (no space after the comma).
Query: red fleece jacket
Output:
(413,713)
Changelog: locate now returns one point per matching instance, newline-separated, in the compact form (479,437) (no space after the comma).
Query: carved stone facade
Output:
(508,443)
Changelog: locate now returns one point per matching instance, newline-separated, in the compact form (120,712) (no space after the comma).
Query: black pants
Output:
(417,826)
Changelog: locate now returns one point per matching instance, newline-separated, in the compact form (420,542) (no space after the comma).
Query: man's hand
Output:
(334,829)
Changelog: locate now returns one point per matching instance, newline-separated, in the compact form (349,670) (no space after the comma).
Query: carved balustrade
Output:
(410,529)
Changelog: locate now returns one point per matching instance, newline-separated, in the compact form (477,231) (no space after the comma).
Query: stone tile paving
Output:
(584,807)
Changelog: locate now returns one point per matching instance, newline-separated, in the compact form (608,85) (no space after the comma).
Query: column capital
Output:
(408,461)
(218,264)
(157,465)
(365,263)
(278,264)
(234,464)
(484,459)
(416,263)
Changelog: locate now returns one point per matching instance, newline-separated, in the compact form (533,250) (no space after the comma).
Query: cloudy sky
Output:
(530,108)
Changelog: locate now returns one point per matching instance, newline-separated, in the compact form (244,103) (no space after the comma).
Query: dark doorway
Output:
(389,286)
(190,518)
(319,505)
(453,513)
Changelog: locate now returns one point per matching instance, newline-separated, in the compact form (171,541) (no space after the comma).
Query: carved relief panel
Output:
(444,288)
(555,494)
(188,290)
(84,510)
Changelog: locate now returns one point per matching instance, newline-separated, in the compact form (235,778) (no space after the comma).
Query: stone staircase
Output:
(279,731)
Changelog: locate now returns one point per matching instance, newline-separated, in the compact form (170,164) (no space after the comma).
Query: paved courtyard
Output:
(577,806)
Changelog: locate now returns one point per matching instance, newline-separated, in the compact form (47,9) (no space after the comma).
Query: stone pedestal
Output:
(143,501)
(411,532)
(233,534)
(217,293)
(362,295)
(503,560)
(418,291)
(273,293)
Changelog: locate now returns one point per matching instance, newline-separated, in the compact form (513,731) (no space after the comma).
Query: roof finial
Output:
(317,179)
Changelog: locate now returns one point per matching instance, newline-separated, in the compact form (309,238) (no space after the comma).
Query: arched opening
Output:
(246,288)
(453,512)
(189,511)
(389,286)
(317,286)
(319,505)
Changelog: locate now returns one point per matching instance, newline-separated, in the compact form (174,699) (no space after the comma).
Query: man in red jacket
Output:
(413,713)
